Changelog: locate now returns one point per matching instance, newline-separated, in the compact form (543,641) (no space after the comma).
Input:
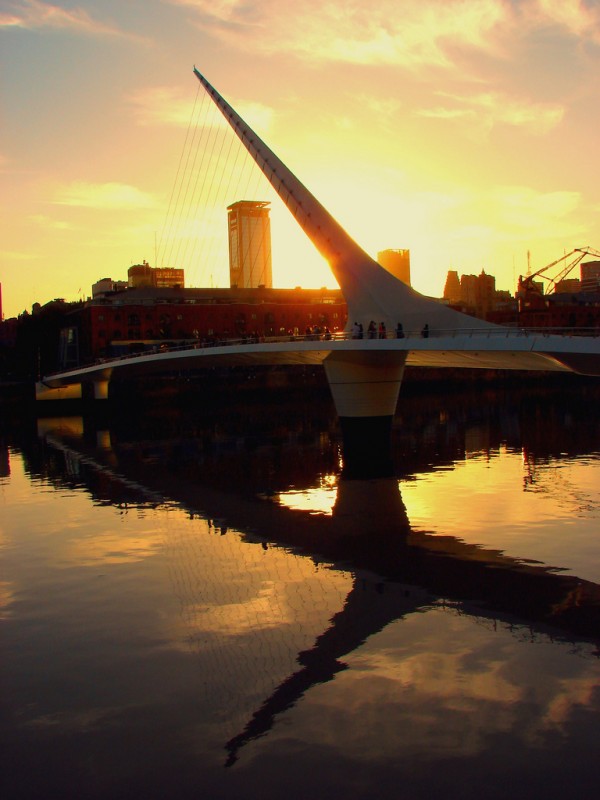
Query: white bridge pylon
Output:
(364,374)
(370,291)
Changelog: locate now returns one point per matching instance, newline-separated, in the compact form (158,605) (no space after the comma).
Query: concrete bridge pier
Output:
(365,388)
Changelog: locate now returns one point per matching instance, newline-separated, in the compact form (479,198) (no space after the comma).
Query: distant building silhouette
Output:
(249,245)
(568,286)
(452,288)
(397,262)
(160,277)
(476,293)
(590,276)
(105,285)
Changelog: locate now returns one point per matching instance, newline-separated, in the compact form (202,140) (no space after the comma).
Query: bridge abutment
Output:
(365,387)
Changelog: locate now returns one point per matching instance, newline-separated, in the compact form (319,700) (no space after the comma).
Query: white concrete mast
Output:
(371,293)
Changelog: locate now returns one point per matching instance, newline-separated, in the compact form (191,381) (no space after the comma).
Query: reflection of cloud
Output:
(436,666)
(6,597)
(75,721)
(34,14)
(105,196)
(254,613)
(112,548)
(571,693)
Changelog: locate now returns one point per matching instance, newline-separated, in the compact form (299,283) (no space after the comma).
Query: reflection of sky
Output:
(550,514)
(167,632)
(435,685)
(547,512)
(316,500)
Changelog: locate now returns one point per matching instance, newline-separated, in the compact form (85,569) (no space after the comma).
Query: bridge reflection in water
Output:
(395,571)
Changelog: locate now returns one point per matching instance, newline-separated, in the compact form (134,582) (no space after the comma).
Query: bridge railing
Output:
(498,332)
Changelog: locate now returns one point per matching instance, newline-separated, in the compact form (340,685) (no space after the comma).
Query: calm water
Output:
(203,606)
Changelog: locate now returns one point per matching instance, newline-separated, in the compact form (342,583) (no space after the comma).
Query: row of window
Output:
(134,319)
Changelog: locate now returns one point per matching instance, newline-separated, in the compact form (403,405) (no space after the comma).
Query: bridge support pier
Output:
(365,388)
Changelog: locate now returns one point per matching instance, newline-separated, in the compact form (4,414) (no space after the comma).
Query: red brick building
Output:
(146,317)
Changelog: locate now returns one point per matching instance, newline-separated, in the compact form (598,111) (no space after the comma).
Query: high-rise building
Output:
(590,276)
(397,262)
(249,245)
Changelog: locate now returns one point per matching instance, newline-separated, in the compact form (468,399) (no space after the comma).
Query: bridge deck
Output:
(492,348)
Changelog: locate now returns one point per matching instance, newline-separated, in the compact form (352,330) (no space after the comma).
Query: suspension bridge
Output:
(364,374)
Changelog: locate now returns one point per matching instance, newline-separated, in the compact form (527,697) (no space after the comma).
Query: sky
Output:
(463,130)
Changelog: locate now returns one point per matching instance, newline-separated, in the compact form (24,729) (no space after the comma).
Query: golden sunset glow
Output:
(463,131)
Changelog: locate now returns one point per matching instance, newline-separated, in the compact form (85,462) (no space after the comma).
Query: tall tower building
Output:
(397,262)
(249,245)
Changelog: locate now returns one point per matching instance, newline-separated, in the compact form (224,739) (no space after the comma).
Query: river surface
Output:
(202,605)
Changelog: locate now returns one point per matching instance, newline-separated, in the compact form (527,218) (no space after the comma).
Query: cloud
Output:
(515,213)
(488,109)
(575,17)
(105,196)
(35,14)
(51,224)
(17,255)
(163,105)
(412,34)
(526,208)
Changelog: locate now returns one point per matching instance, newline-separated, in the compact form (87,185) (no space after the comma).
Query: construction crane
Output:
(526,285)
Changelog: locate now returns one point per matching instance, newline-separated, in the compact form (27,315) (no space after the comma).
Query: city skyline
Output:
(459,131)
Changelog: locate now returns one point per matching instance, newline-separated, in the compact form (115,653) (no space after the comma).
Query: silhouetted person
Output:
(382,331)
(399,331)
(425,331)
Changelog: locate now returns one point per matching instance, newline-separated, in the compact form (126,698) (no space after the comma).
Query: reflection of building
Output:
(162,277)
(397,262)
(249,245)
